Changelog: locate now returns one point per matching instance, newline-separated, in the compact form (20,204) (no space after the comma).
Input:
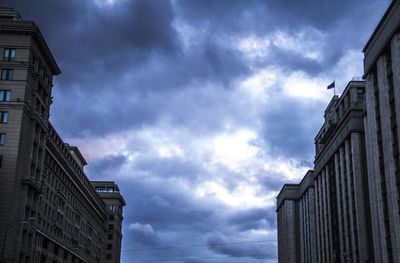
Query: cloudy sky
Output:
(200,110)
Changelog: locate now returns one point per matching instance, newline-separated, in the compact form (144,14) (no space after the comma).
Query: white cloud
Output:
(307,42)
(254,47)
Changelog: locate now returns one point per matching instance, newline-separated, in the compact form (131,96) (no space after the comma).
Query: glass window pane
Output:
(5,117)
(2,95)
(2,138)
(8,95)
(12,53)
(6,53)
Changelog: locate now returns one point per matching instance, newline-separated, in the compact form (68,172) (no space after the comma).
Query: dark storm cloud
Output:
(260,17)
(254,219)
(102,168)
(170,167)
(127,68)
(262,250)
(144,234)
(288,126)
(162,205)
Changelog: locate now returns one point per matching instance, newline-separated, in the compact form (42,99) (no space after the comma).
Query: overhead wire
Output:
(200,245)
(199,258)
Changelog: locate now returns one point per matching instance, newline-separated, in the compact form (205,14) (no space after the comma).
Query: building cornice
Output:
(27,27)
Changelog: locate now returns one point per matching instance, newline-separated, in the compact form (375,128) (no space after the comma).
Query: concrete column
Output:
(389,162)
(319,219)
(302,229)
(395,48)
(349,200)
(359,189)
(374,175)
(312,233)
(329,205)
(343,197)
(338,198)
(327,215)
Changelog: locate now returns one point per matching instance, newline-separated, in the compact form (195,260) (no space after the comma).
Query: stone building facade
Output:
(50,210)
(296,220)
(328,228)
(357,164)
(109,193)
(382,81)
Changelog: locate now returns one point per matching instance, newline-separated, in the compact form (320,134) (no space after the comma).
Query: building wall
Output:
(333,211)
(114,203)
(382,74)
(307,230)
(288,232)
(341,184)
(51,212)
(296,221)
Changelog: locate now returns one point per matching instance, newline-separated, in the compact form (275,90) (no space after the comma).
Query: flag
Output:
(331,86)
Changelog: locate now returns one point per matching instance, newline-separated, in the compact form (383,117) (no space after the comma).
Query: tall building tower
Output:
(382,81)
(50,212)
(114,202)
(27,70)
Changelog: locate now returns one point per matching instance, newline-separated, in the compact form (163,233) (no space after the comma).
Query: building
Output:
(296,221)
(332,225)
(382,121)
(341,182)
(50,210)
(357,164)
(109,193)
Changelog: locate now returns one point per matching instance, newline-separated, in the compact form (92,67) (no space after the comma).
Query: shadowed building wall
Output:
(50,211)
(382,75)
(114,202)
(329,221)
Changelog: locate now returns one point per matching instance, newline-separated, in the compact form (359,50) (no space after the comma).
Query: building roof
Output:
(382,34)
(11,22)
(295,191)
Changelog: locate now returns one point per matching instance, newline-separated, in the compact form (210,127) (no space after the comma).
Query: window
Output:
(109,246)
(108,256)
(9,54)
(111,217)
(2,138)
(3,116)
(5,95)
(113,208)
(110,237)
(7,74)
(110,227)
(1,161)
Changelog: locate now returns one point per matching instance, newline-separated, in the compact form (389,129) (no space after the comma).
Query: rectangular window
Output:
(3,116)
(110,227)
(110,237)
(7,74)
(2,138)
(113,208)
(9,54)
(109,246)
(5,95)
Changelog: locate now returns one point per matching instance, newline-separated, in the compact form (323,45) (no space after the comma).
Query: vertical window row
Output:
(3,116)
(7,74)
(9,54)
(5,95)
(2,138)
